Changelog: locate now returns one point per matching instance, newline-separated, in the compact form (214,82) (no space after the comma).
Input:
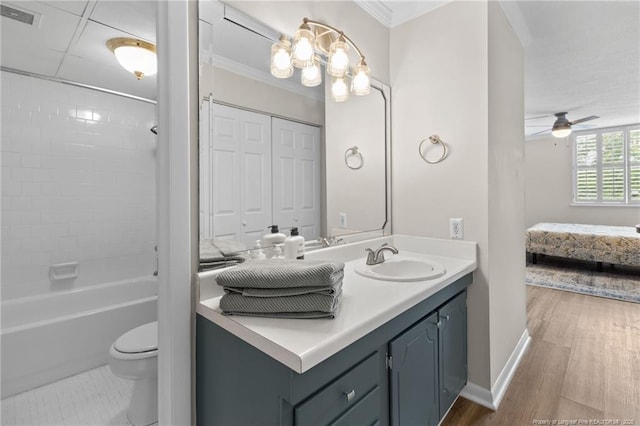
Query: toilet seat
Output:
(139,340)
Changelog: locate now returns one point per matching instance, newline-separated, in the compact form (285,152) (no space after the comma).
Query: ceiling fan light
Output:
(136,56)
(281,66)
(303,42)
(561,131)
(338,62)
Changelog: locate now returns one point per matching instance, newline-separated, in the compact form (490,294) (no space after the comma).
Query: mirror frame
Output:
(239,18)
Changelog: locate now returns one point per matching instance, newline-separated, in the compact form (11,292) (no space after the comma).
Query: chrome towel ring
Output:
(434,139)
(353,158)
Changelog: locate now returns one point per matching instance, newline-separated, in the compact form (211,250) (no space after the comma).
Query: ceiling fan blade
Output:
(541,131)
(581,120)
(540,116)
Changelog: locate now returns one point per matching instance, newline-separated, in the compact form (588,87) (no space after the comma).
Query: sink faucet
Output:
(376,257)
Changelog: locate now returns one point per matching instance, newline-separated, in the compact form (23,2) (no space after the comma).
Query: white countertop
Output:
(366,303)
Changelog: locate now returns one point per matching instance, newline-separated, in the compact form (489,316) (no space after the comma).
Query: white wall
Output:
(234,89)
(445,80)
(549,188)
(78,184)
(360,194)
(506,189)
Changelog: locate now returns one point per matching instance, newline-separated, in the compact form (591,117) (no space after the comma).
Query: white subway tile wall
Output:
(78,185)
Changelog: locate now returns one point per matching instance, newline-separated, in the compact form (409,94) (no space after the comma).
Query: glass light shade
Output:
(281,59)
(312,75)
(136,56)
(303,42)
(561,132)
(339,89)
(338,62)
(361,83)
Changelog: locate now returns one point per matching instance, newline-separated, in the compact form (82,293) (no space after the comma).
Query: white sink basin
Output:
(402,268)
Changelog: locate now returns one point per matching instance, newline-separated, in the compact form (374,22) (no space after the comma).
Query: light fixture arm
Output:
(337,31)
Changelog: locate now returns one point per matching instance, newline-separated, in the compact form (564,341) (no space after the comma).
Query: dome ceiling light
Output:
(136,56)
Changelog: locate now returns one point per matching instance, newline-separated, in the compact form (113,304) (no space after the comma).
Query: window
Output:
(607,166)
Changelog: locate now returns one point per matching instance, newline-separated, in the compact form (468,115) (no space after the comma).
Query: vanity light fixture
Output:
(314,40)
(136,56)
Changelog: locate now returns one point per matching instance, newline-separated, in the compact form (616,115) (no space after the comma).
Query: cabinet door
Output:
(453,350)
(414,375)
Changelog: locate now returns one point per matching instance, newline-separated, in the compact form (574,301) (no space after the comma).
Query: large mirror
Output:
(274,152)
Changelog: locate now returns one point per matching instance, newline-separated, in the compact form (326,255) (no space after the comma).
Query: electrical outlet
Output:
(343,220)
(456,228)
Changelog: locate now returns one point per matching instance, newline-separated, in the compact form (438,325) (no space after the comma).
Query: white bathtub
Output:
(47,337)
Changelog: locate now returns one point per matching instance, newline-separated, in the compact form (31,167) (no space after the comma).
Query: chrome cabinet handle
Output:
(350,395)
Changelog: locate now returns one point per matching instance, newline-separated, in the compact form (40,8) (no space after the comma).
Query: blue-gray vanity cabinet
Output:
(237,384)
(414,375)
(452,353)
(429,365)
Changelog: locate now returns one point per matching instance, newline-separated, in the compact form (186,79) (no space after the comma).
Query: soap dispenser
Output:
(294,245)
(271,239)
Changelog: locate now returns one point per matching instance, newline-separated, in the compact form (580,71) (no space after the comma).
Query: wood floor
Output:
(583,364)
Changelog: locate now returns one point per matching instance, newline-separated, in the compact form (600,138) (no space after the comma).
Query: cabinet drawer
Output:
(340,395)
(364,412)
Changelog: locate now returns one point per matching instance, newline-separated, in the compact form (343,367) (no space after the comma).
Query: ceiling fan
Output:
(562,126)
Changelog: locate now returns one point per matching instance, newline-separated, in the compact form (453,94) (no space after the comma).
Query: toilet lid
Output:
(139,339)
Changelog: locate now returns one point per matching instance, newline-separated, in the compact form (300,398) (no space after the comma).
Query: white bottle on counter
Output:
(257,253)
(277,252)
(271,239)
(294,245)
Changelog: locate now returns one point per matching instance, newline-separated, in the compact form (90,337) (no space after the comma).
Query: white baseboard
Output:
(492,398)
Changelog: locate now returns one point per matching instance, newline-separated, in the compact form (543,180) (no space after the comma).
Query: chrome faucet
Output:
(376,257)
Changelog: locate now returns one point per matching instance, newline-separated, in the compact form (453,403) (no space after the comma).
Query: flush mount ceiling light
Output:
(136,56)
(312,41)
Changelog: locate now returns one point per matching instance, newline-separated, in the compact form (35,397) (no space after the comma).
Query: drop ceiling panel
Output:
(91,62)
(76,7)
(37,48)
(138,18)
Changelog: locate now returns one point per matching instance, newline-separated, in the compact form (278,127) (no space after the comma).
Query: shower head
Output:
(154,130)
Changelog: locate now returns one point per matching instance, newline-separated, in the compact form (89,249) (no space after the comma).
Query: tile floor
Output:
(95,397)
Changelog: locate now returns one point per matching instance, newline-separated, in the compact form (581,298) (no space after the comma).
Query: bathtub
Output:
(47,337)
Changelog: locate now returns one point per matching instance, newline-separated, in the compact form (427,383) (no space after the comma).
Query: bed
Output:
(618,245)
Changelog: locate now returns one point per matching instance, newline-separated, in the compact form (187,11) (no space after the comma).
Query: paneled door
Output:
(296,177)
(240,174)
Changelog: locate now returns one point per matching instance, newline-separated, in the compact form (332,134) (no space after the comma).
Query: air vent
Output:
(17,15)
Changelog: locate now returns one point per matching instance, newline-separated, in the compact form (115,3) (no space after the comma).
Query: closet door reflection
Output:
(296,177)
(239,174)
(257,171)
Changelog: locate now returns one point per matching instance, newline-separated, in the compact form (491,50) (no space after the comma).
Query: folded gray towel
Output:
(221,250)
(281,292)
(282,273)
(237,304)
(289,315)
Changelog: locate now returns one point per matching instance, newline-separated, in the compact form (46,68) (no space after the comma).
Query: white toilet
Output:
(134,356)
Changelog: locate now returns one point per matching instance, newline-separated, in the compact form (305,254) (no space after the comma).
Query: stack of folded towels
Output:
(282,288)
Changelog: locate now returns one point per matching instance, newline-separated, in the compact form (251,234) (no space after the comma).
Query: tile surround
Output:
(78,184)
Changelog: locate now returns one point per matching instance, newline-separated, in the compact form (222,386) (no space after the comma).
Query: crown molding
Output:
(378,10)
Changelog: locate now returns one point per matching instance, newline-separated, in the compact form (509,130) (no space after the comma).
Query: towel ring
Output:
(353,158)
(434,139)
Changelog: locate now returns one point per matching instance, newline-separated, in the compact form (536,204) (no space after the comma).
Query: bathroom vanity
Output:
(395,354)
